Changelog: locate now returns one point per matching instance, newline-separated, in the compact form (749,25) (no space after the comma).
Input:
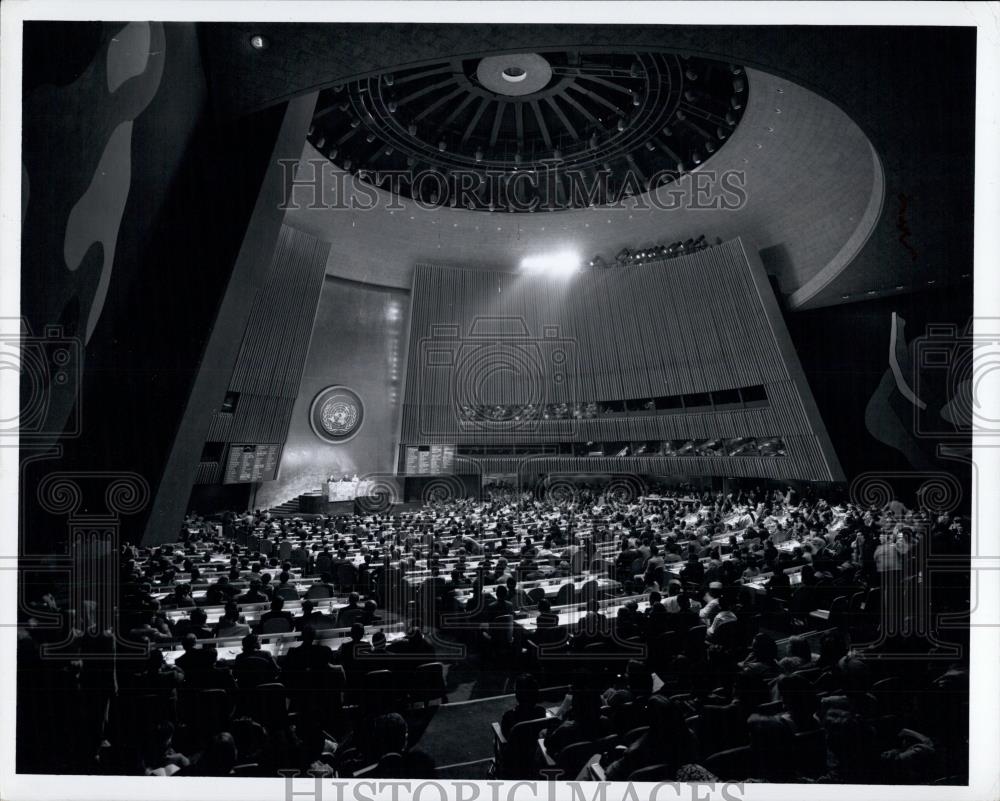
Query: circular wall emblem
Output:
(336,414)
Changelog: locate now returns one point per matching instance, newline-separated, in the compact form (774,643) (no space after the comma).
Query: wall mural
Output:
(924,400)
(70,238)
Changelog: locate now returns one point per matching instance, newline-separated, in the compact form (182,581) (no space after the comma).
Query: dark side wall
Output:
(135,203)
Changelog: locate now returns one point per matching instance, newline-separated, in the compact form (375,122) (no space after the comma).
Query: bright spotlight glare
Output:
(564,263)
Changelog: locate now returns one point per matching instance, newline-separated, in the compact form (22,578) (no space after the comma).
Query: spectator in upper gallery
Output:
(526,693)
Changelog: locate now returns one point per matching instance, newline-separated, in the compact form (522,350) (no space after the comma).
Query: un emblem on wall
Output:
(336,414)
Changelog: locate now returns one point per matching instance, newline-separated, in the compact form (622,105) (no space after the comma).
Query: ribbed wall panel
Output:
(272,354)
(695,324)
(208,473)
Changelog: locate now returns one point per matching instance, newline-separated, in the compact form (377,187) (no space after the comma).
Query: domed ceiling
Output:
(531,131)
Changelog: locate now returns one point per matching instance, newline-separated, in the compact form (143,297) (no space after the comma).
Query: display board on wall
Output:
(248,464)
(426,460)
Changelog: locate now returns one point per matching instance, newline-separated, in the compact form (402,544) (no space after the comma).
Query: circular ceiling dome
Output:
(531,131)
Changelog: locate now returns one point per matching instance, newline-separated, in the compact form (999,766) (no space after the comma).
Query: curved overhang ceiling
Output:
(797,177)
(527,132)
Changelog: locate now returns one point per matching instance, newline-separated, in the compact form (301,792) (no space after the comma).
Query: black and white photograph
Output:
(499,400)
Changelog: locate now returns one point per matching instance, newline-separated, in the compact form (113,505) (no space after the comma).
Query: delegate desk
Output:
(252,612)
(278,645)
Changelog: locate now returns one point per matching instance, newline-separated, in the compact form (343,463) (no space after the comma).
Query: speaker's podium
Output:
(347,489)
(337,497)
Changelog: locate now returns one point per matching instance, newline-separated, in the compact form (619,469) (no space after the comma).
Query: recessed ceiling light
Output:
(258,42)
(563,263)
